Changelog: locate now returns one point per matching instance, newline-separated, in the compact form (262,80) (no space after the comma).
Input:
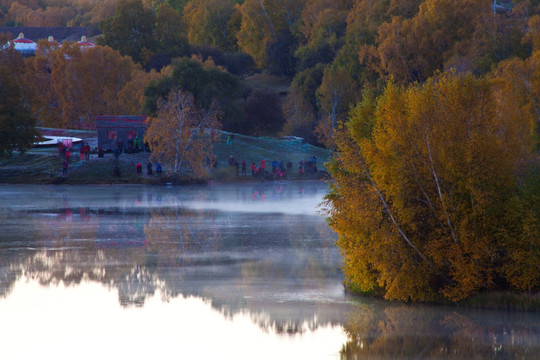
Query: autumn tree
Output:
(518,92)
(52,13)
(207,23)
(423,186)
(77,84)
(300,117)
(17,126)
(131,31)
(323,27)
(300,106)
(323,18)
(266,24)
(205,84)
(178,5)
(519,85)
(170,30)
(181,134)
(466,35)
(306,83)
(336,93)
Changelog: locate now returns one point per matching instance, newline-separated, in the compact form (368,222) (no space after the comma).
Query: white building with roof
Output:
(23,45)
(28,47)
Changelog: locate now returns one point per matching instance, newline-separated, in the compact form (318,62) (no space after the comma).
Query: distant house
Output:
(85,44)
(26,41)
(23,45)
(113,129)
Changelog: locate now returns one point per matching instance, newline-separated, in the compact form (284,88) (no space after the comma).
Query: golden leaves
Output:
(181,135)
(423,184)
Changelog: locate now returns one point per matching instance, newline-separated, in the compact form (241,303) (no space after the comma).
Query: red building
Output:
(113,129)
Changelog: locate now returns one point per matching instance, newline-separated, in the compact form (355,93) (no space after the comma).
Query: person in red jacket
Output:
(87,151)
(253,169)
(81,151)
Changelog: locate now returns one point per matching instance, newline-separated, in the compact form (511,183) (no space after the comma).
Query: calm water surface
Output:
(231,272)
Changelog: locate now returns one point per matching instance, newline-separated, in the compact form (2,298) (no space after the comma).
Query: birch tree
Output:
(426,191)
(336,93)
(181,136)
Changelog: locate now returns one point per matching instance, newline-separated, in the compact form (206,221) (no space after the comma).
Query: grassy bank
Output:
(44,165)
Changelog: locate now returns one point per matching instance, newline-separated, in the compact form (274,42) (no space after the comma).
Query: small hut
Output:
(85,44)
(117,130)
(23,45)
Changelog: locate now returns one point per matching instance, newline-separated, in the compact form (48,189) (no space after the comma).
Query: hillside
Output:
(44,165)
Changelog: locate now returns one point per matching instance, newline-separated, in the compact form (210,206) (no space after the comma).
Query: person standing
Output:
(244,165)
(289,167)
(81,151)
(87,151)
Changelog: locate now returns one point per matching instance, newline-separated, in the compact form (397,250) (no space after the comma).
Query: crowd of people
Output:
(149,171)
(281,170)
(276,170)
(65,149)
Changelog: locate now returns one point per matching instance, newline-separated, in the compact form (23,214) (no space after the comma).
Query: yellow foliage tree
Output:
(77,84)
(336,93)
(423,185)
(181,135)
(517,84)
(262,23)
(207,23)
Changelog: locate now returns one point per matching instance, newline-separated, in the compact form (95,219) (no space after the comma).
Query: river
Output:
(224,271)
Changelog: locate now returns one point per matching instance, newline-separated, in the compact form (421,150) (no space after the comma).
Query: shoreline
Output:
(496,300)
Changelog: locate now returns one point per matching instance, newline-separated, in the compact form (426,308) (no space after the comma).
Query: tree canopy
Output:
(431,107)
(77,84)
(206,84)
(426,180)
(17,126)
(181,135)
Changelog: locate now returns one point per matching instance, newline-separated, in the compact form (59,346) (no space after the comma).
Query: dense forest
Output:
(431,106)
(330,52)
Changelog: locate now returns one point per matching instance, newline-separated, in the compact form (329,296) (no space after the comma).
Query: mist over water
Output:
(228,271)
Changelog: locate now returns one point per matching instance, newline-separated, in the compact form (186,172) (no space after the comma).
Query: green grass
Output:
(45,166)
(256,149)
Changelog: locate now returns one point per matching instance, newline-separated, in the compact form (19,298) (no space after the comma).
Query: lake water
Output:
(225,271)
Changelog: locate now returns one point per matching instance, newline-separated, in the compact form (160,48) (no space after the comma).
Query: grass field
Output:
(44,165)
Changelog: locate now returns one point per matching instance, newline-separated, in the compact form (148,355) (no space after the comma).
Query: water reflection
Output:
(378,331)
(256,252)
(205,242)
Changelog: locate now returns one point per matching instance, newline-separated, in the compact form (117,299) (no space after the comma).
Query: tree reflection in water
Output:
(274,266)
(250,250)
(407,332)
